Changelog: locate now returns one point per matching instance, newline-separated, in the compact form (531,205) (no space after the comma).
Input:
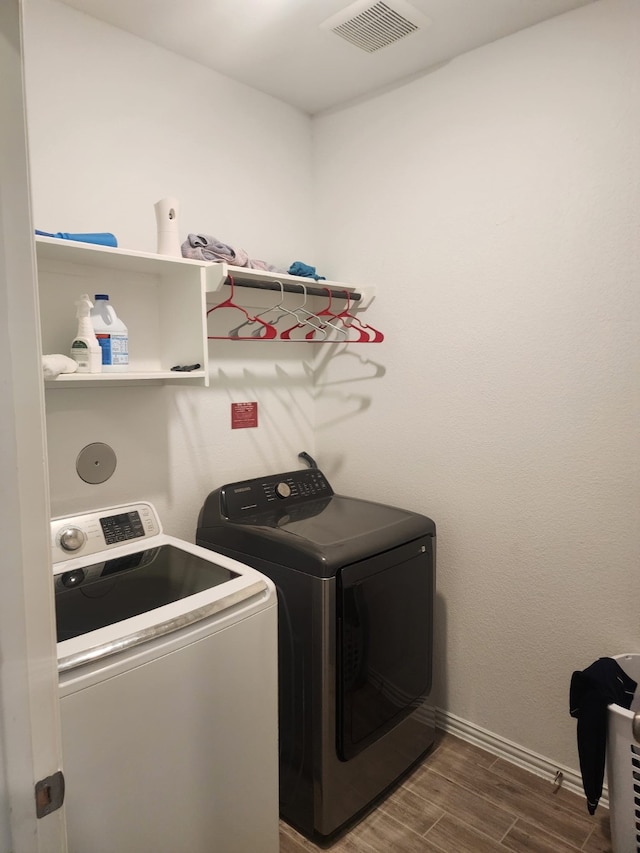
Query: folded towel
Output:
(203,247)
(304,270)
(54,365)
(102,239)
(263,265)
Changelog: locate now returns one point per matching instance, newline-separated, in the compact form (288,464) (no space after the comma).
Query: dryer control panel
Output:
(264,494)
(91,532)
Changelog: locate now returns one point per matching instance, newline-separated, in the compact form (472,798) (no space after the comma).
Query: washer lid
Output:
(119,588)
(132,597)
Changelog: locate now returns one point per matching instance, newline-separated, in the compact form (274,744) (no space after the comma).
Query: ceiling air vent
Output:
(371,26)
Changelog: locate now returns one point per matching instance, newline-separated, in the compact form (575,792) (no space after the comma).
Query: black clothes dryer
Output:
(355,583)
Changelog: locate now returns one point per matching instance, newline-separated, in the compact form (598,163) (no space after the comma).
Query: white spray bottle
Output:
(85,348)
(167,222)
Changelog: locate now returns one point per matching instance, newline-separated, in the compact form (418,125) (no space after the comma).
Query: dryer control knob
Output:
(71,538)
(283,490)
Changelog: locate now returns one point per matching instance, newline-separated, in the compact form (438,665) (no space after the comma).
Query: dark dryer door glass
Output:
(384,643)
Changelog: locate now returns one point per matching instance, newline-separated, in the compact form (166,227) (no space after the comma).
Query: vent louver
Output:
(371,26)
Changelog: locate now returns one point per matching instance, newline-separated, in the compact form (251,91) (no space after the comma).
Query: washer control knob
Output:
(283,490)
(71,538)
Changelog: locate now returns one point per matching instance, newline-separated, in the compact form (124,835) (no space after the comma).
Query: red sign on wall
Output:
(244,415)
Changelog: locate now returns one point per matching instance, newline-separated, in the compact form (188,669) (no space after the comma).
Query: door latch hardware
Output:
(49,794)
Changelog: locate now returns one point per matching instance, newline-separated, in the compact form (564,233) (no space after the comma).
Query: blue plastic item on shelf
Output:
(102,239)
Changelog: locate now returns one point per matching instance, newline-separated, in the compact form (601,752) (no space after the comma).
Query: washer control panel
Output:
(264,494)
(101,530)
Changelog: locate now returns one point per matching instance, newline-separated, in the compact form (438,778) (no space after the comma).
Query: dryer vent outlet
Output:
(372,26)
(96,463)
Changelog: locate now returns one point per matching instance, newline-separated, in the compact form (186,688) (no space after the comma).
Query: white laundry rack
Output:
(623,765)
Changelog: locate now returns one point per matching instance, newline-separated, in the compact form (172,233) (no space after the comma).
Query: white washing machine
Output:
(167,658)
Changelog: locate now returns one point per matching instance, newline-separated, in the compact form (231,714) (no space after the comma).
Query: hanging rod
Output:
(294,287)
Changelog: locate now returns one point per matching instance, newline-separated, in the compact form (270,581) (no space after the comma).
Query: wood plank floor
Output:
(465,800)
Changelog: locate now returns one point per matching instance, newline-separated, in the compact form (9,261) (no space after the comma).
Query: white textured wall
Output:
(115,124)
(496,205)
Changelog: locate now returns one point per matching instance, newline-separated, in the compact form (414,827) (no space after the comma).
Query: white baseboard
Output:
(512,752)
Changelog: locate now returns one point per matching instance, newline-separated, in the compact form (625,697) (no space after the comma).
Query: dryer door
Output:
(384,642)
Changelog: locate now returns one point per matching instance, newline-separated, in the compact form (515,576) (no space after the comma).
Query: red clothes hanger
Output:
(327,312)
(267,332)
(361,328)
(303,321)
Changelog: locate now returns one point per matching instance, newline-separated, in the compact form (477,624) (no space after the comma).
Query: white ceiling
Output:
(278,46)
